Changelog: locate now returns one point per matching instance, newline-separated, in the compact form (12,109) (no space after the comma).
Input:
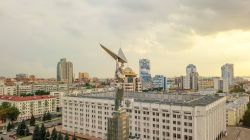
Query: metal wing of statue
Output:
(121,57)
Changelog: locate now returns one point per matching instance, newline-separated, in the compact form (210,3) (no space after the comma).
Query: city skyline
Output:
(47,31)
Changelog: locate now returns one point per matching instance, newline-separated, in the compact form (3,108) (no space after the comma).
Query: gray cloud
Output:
(44,31)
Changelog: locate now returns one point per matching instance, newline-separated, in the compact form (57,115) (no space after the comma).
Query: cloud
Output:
(44,31)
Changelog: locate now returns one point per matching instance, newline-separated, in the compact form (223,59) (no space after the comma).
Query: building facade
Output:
(65,71)
(151,116)
(227,74)
(236,110)
(218,84)
(36,105)
(192,78)
(132,83)
(145,75)
(160,82)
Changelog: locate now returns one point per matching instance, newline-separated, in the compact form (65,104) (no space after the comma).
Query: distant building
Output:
(144,65)
(179,83)
(22,76)
(36,105)
(132,83)
(83,76)
(160,82)
(227,74)
(218,84)
(65,71)
(206,83)
(192,78)
(236,110)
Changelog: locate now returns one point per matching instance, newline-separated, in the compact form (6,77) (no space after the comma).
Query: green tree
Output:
(74,137)
(246,118)
(36,134)
(48,116)
(27,131)
(47,134)
(9,127)
(32,120)
(13,113)
(66,136)
(43,132)
(45,117)
(53,134)
(21,129)
(41,92)
(8,111)
(60,136)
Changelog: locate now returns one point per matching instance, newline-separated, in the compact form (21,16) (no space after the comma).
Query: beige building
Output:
(205,83)
(236,110)
(65,71)
(83,76)
(132,83)
(36,105)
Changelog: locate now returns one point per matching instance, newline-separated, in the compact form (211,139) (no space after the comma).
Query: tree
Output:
(59,136)
(43,132)
(53,134)
(47,135)
(74,137)
(41,92)
(32,120)
(9,127)
(48,116)
(44,117)
(21,129)
(246,118)
(8,111)
(27,131)
(36,134)
(66,136)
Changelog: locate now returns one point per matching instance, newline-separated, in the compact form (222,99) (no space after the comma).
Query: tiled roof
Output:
(28,98)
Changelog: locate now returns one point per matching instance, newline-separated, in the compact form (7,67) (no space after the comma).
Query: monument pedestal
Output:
(118,125)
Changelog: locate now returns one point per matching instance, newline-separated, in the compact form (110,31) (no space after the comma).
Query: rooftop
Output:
(28,98)
(172,99)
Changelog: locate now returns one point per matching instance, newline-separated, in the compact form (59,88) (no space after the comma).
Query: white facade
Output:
(36,105)
(149,120)
(218,84)
(59,97)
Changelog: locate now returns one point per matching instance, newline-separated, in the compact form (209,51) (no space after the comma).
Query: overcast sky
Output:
(35,34)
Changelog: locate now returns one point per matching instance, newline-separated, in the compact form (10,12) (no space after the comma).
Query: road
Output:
(237,133)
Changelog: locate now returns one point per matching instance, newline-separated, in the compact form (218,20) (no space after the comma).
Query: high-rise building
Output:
(132,83)
(145,75)
(227,74)
(65,71)
(192,78)
(160,82)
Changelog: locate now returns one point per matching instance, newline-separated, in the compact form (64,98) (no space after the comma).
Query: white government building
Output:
(152,116)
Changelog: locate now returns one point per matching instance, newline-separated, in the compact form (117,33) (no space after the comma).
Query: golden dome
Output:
(129,72)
